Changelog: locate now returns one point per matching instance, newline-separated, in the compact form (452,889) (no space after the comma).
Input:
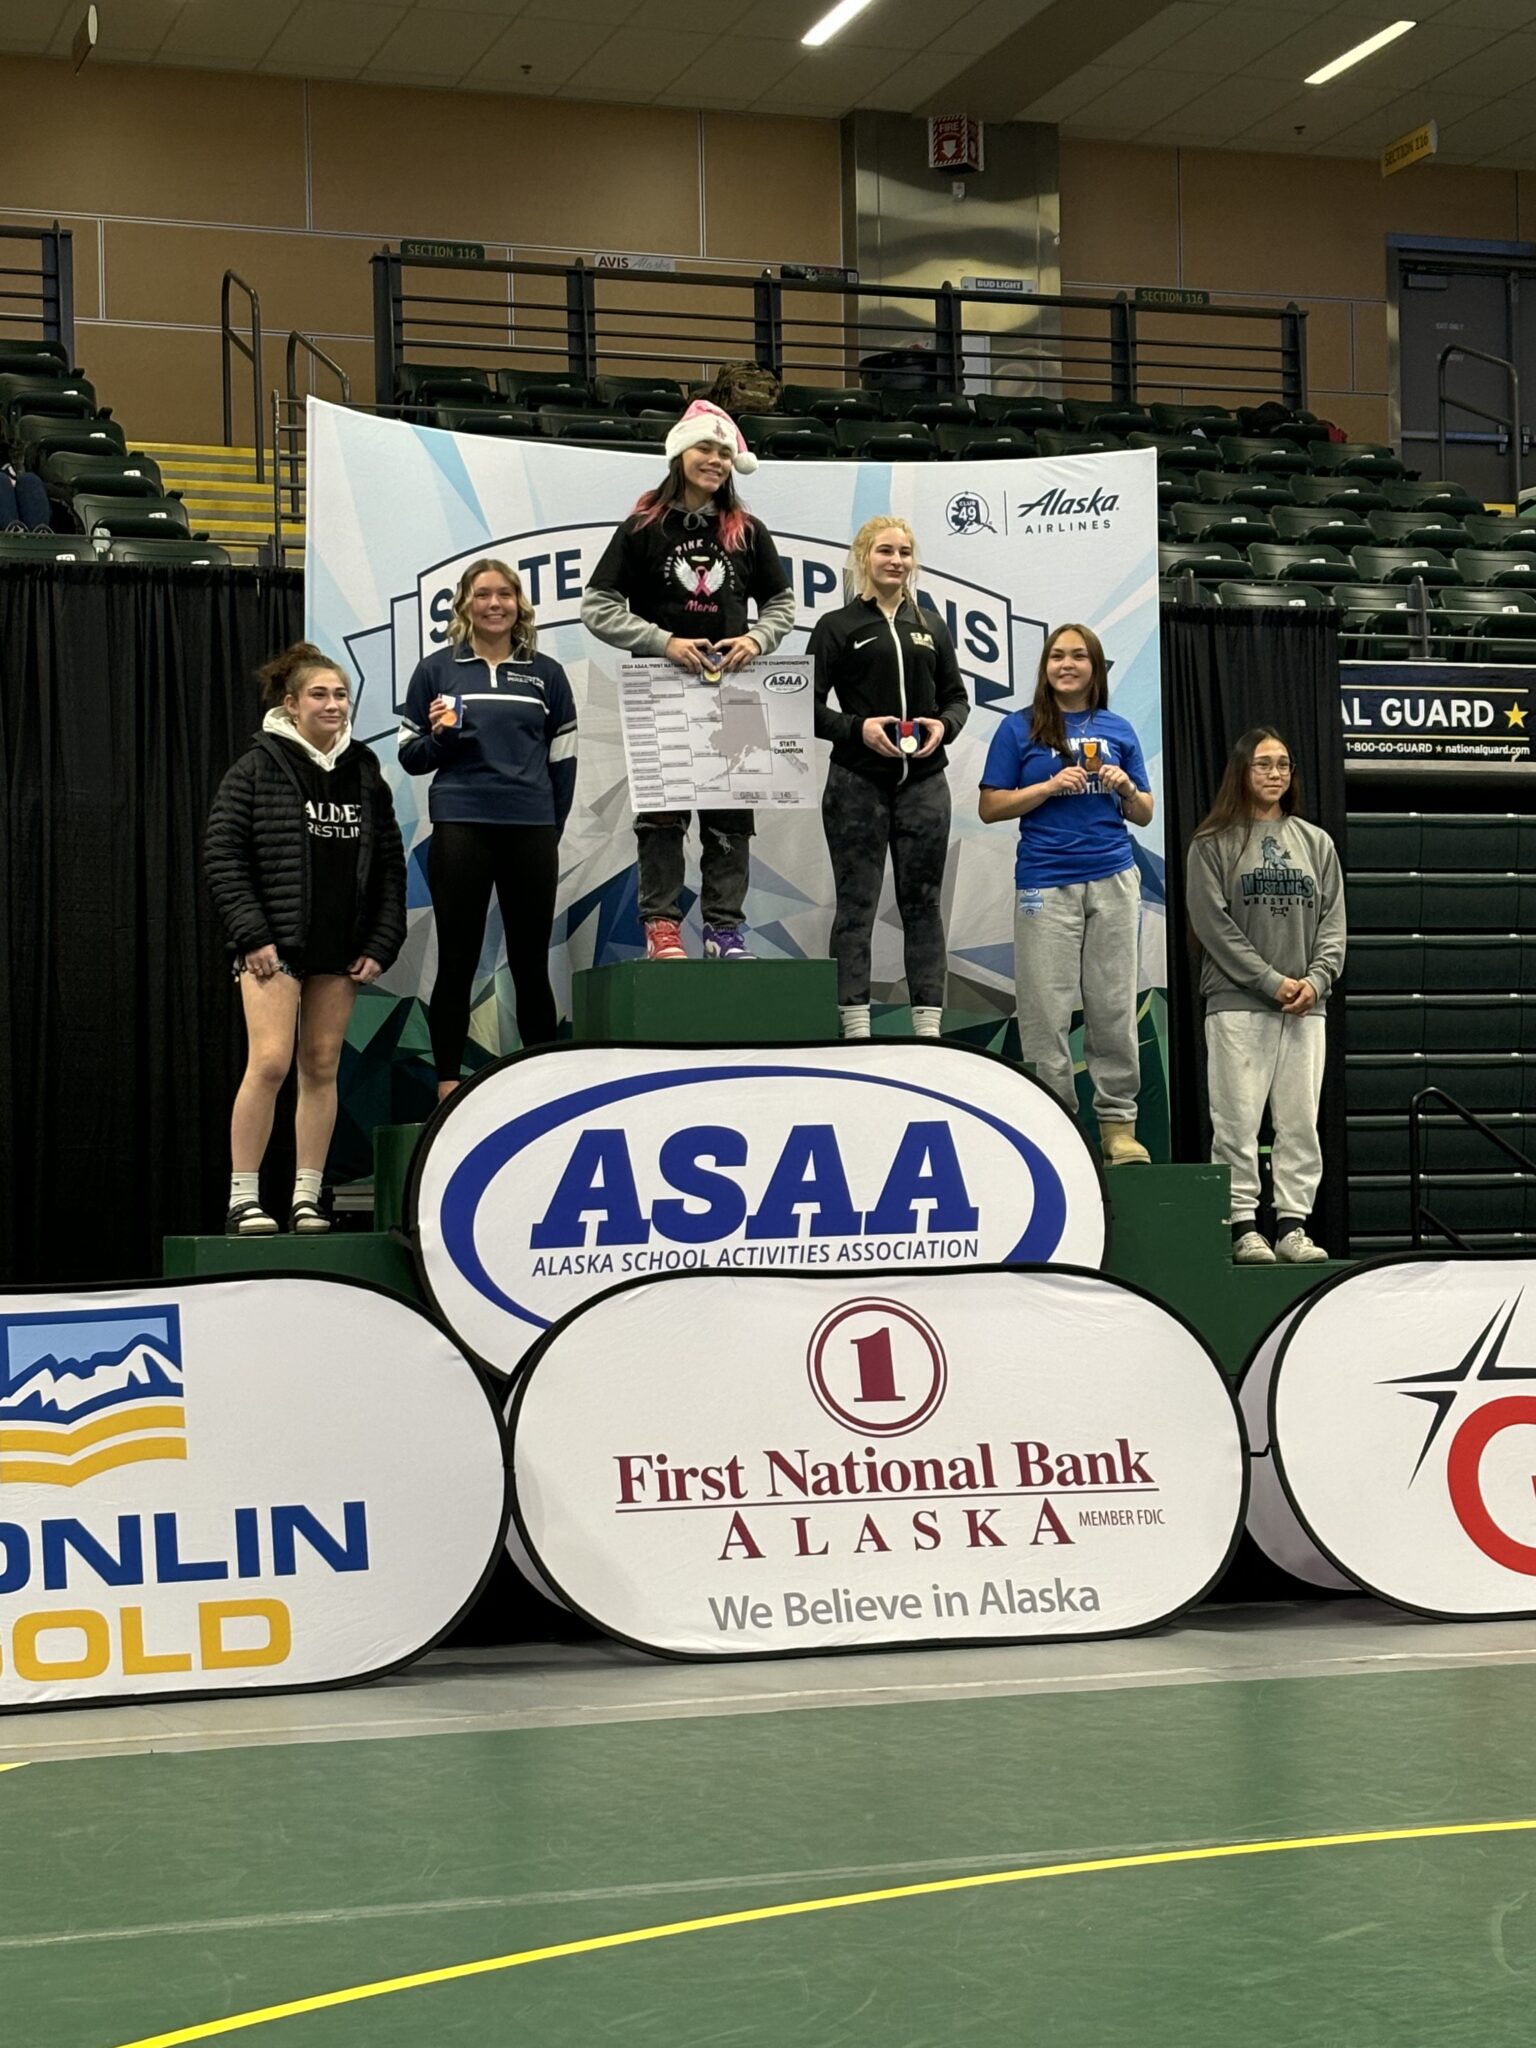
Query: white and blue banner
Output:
(1008,550)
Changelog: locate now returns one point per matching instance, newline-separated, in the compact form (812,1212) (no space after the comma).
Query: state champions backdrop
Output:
(1008,549)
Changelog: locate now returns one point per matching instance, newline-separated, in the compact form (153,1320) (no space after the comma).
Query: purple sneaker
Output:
(724,942)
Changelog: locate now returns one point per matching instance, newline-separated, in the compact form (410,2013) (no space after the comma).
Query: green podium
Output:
(706,1002)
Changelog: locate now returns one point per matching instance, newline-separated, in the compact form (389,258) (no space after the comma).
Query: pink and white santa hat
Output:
(705,422)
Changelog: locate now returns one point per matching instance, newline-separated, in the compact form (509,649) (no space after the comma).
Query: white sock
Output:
(244,1187)
(926,1020)
(306,1184)
(853,1019)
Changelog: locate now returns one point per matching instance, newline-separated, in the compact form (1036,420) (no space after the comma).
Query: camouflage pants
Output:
(864,820)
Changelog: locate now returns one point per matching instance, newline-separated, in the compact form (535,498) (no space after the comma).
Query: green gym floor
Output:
(1307,1826)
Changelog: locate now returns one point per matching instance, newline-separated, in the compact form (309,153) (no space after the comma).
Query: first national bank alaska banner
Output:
(1008,549)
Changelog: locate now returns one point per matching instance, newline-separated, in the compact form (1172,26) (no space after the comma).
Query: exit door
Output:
(1469,304)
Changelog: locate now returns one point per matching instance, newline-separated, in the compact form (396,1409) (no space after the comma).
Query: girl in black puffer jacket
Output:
(307,871)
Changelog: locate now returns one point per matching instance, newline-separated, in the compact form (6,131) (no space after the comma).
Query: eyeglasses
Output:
(1264,764)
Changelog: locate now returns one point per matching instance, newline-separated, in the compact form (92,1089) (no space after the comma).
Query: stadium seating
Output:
(1178,451)
(1401,565)
(1238,523)
(1028,413)
(508,421)
(1242,488)
(1385,621)
(789,439)
(886,440)
(131,518)
(1330,523)
(1212,561)
(637,394)
(817,402)
(1278,457)
(1301,562)
(45,547)
(1426,529)
(1496,568)
(1286,596)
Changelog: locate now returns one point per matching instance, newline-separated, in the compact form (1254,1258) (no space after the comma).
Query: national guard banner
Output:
(1008,549)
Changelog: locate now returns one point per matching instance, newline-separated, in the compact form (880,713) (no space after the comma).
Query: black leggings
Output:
(465,862)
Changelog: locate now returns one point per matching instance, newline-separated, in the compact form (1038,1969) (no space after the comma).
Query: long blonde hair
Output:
(525,638)
(856,568)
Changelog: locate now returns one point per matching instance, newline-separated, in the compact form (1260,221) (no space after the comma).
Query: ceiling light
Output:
(829,24)
(1360,52)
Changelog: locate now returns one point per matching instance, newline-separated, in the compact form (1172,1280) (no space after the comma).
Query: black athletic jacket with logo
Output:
(885,668)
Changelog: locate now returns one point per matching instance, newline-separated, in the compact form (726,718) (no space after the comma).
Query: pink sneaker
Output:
(663,940)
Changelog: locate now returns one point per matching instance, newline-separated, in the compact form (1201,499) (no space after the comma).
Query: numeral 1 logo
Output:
(876,1367)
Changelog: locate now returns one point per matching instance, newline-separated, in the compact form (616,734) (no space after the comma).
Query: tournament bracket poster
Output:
(1008,549)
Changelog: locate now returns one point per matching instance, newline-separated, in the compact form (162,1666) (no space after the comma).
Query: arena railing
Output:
(591,322)
(39,296)
(229,339)
(1418,1109)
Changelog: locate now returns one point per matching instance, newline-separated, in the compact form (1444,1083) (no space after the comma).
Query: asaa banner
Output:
(756,1465)
(396,512)
(566,1170)
(212,1486)
(1403,1428)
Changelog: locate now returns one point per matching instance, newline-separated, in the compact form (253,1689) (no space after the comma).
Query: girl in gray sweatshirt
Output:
(1266,900)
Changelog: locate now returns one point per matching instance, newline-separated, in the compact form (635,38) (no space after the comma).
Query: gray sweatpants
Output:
(725,852)
(863,819)
(1075,947)
(1254,1057)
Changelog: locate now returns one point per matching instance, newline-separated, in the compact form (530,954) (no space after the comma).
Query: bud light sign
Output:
(556,1174)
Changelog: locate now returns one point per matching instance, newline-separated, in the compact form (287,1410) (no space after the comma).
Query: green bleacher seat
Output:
(1402,565)
(1500,530)
(59,397)
(413,380)
(25,357)
(1300,433)
(1181,590)
(1385,839)
(1495,568)
(130,518)
(927,408)
(45,547)
(1491,624)
(886,440)
(1211,561)
(1239,524)
(509,422)
(1353,458)
(467,393)
(1242,487)
(1430,495)
(1385,621)
(1427,529)
(978,443)
(1274,596)
(790,440)
(560,425)
(1347,493)
(1177,489)
(632,395)
(1483,842)
(532,390)
(1212,420)
(1184,452)
(39,435)
(824,403)
(1384,1083)
(1000,410)
(114,476)
(1301,562)
(1054,442)
(1121,420)
(190,554)
(1329,523)
(1239,451)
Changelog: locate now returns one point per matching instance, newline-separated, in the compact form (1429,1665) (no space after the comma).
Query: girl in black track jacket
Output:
(307,872)
(900,698)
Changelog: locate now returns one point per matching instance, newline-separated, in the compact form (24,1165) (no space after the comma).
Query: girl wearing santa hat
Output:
(676,580)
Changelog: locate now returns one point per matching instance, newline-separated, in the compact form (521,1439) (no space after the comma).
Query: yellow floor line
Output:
(326,2001)
(16,1767)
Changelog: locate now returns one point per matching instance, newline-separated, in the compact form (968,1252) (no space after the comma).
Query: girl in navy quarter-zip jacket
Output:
(494,722)
(900,699)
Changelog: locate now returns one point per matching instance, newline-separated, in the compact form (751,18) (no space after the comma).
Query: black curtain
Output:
(1224,671)
(125,693)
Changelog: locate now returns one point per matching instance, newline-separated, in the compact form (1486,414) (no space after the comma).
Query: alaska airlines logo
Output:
(1058,504)
(82,1392)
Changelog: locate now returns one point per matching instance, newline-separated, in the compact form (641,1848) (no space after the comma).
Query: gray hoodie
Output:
(1267,904)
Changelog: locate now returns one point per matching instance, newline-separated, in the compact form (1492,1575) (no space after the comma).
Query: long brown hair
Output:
(286,674)
(1046,722)
(1234,799)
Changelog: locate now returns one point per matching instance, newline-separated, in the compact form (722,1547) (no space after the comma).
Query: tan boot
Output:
(1120,1146)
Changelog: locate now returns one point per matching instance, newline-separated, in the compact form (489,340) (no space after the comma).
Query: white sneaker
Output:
(1252,1250)
(1297,1249)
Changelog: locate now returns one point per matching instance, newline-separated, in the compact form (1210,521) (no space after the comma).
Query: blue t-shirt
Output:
(1068,838)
